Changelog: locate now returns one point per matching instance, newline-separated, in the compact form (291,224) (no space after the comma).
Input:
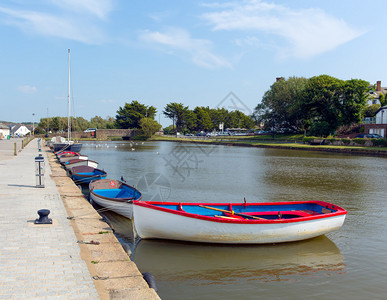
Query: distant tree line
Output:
(318,105)
(205,118)
(59,124)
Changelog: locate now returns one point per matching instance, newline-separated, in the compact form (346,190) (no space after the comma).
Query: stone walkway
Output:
(36,261)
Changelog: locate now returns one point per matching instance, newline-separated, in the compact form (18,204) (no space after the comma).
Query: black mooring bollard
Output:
(43,217)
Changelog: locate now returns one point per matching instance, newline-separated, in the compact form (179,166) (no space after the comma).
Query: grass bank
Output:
(280,142)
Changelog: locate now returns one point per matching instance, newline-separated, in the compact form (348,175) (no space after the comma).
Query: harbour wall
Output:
(114,274)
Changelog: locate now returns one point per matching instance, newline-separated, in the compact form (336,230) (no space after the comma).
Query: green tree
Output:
(370,111)
(218,116)
(130,115)
(203,120)
(171,129)
(43,125)
(383,99)
(177,112)
(58,124)
(352,101)
(110,123)
(190,121)
(79,124)
(149,127)
(97,122)
(280,105)
(336,102)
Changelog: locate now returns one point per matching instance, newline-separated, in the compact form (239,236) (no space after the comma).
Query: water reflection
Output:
(190,266)
(314,268)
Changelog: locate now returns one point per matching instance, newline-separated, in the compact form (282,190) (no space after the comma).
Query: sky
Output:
(199,53)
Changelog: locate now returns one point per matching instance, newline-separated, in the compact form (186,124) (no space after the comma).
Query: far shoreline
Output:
(367,151)
(274,144)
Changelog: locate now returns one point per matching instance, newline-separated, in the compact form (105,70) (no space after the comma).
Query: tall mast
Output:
(68,102)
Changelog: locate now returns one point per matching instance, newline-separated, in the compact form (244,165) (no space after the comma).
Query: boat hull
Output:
(114,195)
(152,223)
(122,208)
(86,174)
(76,147)
(80,162)
(66,158)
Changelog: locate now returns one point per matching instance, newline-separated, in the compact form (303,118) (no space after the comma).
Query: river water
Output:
(347,264)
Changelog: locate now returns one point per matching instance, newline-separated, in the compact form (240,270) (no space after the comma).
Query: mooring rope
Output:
(103,209)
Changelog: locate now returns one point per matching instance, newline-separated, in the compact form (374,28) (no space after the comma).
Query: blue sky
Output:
(194,52)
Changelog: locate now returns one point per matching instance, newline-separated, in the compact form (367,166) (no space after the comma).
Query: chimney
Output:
(378,86)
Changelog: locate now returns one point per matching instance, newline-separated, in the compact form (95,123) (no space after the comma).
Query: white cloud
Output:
(27,89)
(308,32)
(179,42)
(99,8)
(78,27)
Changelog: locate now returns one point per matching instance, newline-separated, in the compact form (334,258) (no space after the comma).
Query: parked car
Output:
(368,136)
(211,134)
(201,134)
(90,130)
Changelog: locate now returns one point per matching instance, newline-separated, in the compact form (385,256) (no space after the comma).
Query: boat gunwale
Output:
(122,200)
(77,160)
(153,205)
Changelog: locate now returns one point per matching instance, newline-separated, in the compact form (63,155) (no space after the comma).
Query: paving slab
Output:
(57,261)
(36,261)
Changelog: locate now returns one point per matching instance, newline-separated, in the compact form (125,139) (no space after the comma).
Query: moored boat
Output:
(85,174)
(114,195)
(65,158)
(69,146)
(61,153)
(236,223)
(80,162)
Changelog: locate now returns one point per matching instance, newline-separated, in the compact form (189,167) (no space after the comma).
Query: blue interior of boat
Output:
(312,208)
(118,193)
(96,172)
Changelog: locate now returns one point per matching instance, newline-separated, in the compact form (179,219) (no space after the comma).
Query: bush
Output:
(320,129)
(346,141)
(308,139)
(380,142)
(359,141)
(348,129)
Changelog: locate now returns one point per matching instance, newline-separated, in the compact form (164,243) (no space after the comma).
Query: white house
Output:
(19,130)
(380,124)
(374,95)
(4,131)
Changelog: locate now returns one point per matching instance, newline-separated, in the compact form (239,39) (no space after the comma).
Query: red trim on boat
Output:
(308,217)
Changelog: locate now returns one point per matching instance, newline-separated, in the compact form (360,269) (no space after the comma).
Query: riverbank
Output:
(114,274)
(76,258)
(279,144)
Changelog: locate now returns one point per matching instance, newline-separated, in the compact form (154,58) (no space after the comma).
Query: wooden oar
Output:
(224,217)
(232,212)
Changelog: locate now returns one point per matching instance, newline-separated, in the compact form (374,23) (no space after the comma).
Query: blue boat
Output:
(114,195)
(86,174)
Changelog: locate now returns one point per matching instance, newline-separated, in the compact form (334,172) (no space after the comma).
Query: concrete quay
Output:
(77,258)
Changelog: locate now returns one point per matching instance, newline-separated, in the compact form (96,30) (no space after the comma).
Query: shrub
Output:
(321,128)
(308,139)
(359,141)
(348,129)
(346,141)
(380,142)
